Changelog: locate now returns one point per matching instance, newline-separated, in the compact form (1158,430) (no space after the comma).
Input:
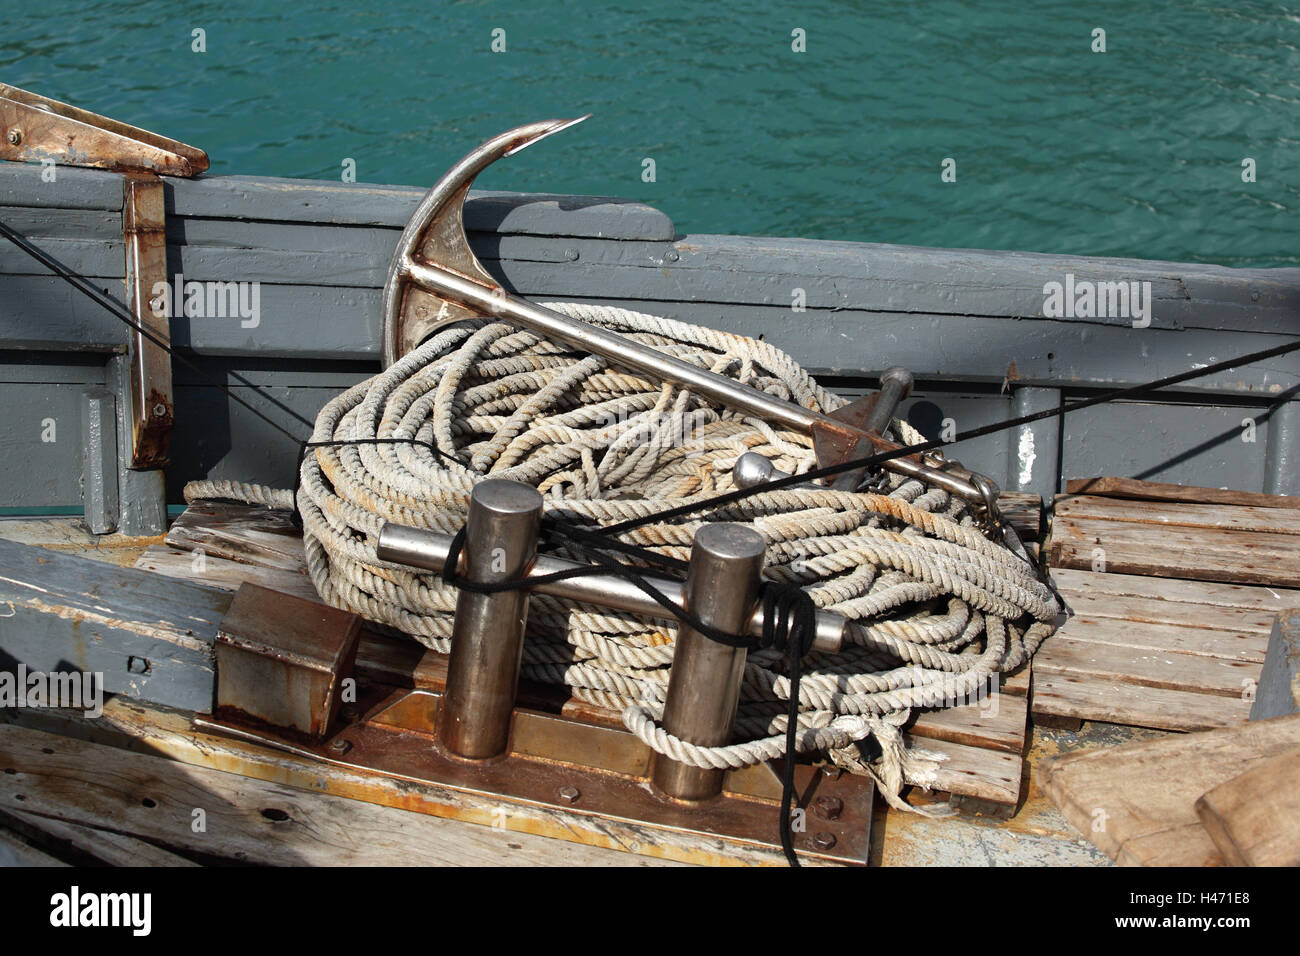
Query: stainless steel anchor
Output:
(435,280)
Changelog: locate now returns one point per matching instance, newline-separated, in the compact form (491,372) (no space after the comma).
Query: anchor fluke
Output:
(435,235)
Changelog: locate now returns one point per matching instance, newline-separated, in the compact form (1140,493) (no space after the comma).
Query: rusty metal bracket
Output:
(598,776)
(151,409)
(281,663)
(37,128)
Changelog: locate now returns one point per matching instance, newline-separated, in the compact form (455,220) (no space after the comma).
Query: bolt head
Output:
(569,794)
(823,840)
(828,808)
(15,137)
(340,746)
(160,410)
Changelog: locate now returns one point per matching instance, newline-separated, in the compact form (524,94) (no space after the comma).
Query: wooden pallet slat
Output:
(1171,631)
(1209,554)
(1163,491)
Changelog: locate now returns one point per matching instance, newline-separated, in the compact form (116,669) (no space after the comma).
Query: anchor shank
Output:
(617,348)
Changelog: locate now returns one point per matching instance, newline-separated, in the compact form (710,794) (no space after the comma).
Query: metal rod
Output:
(617,348)
(428,550)
(704,686)
(487,641)
(632,354)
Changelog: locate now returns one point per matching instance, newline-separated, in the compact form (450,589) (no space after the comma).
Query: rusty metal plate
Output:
(589,772)
(144,231)
(35,128)
(281,660)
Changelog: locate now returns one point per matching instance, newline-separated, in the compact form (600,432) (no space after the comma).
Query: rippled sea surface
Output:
(1133,152)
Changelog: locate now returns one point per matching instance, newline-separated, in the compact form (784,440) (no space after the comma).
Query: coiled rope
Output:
(937,609)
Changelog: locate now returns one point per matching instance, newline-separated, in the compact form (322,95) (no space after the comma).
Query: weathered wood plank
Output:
(247,819)
(1178,596)
(216,572)
(990,775)
(146,635)
(998,723)
(1091,697)
(1024,512)
(239,532)
(1137,801)
(145,729)
(113,849)
(1279,680)
(1176,515)
(1172,670)
(1254,818)
(1199,554)
(1163,491)
(1136,637)
(1095,600)
(18,852)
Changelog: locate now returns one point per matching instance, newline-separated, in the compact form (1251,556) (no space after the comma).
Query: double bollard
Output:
(500,545)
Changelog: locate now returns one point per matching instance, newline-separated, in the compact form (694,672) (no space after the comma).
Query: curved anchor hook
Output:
(434,238)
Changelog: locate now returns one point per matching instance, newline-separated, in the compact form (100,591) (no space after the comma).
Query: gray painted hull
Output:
(969,324)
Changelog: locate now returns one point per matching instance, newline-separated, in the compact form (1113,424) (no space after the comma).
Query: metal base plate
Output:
(595,775)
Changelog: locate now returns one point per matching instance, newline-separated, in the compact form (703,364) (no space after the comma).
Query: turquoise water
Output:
(1134,152)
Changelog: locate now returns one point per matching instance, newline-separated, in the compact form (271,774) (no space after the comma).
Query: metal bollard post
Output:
(488,635)
(704,689)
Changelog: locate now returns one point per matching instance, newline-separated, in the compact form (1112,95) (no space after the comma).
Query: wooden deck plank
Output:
(239,532)
(1171,593)
(1024,512)
(18,852)
(247,819)
(1171,670)
(977,772)
(106,846)
(1137,802)
(218,572)
(1141,637)
(1094,697)
(1163,491)
(1250,557)
(1173,515)
(999,722)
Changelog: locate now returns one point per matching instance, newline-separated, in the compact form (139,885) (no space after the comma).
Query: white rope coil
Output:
(938,609)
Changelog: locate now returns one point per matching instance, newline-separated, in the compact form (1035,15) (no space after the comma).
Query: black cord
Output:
(122,314)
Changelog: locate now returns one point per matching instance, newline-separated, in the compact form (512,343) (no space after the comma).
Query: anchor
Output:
(435,280)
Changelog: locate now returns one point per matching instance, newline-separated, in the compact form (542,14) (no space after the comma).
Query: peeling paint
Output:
(1026,454)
